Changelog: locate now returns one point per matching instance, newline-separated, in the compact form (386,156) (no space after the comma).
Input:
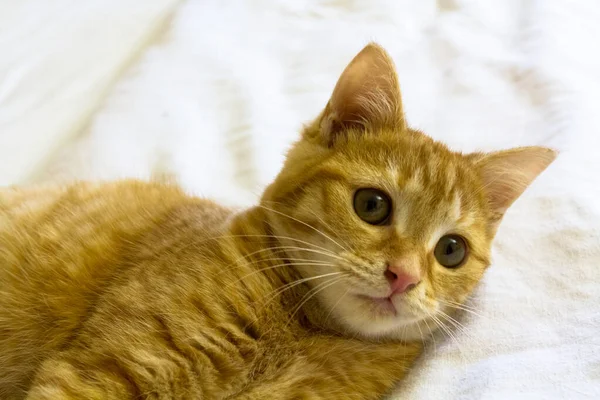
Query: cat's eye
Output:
(451,251)
(372,206)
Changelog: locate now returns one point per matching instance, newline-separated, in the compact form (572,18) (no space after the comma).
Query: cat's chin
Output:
(382,317)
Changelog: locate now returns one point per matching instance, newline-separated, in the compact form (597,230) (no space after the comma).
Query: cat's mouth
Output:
(383,305)
(393,305)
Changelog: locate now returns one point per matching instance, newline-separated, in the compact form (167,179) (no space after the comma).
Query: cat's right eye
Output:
(372,206)
(451,251)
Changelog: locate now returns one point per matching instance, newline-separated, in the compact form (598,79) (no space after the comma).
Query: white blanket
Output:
(212,92)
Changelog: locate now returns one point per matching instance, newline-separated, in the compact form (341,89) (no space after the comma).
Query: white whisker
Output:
(432,335)
(446,330)
(318,264)
(455,323)
(305,224)
(335,305)
(332,255)
(296,283)
(269,236)
(461,307)
(311,293)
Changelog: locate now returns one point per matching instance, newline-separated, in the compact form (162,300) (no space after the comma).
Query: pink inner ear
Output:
(366,95)
(506,174)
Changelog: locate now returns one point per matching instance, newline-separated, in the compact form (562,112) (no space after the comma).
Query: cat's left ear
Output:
(506,174)
(366,97)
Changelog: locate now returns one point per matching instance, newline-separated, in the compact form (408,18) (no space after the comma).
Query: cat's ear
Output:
(506,174)
(366,96)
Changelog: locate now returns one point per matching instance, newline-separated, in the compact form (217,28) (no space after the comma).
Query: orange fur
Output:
(136,290)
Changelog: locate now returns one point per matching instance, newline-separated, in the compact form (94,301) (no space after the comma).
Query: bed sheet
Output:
(211,93)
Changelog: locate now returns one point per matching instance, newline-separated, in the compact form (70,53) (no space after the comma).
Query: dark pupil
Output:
(451,247)
(373,204)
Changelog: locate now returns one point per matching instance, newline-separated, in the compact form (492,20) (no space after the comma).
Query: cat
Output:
(372,234)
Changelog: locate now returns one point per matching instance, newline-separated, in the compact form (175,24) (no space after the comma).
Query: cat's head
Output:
(389,227)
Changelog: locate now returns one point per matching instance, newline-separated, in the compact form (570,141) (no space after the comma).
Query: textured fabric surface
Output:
(212,92)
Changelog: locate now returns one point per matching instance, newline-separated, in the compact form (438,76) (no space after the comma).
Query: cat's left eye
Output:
(372,206)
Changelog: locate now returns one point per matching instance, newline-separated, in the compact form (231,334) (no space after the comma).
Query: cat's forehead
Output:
(431,184)
(414,164)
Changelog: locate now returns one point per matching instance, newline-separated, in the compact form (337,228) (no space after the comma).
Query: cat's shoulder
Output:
(127,201)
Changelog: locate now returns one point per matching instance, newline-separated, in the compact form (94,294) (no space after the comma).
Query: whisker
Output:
(317,264)
(432,336)
(453,337)
(449,333)
(466,310)
(336,304)
(421,333)
(275,250)
(316,290)
(197,242)
(266,236)
(285,259)
(280,259)
(314,214)
(459,304)
(443,326)
(297,282)
(305,224)
(455,323)
(332,255)
(461,307)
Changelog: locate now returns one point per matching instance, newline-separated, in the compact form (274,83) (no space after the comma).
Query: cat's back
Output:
(60,246)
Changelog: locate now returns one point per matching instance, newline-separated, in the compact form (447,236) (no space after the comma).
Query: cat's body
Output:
(370,236)
(165,270)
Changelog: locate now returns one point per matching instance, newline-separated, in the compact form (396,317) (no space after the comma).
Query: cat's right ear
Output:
(366,97)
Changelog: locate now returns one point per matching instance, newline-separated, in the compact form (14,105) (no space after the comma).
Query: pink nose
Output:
(400,281)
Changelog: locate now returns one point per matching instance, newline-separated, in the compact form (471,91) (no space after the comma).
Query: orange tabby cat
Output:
(369,234)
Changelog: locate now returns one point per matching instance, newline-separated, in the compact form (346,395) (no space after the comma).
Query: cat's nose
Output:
(400,280)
